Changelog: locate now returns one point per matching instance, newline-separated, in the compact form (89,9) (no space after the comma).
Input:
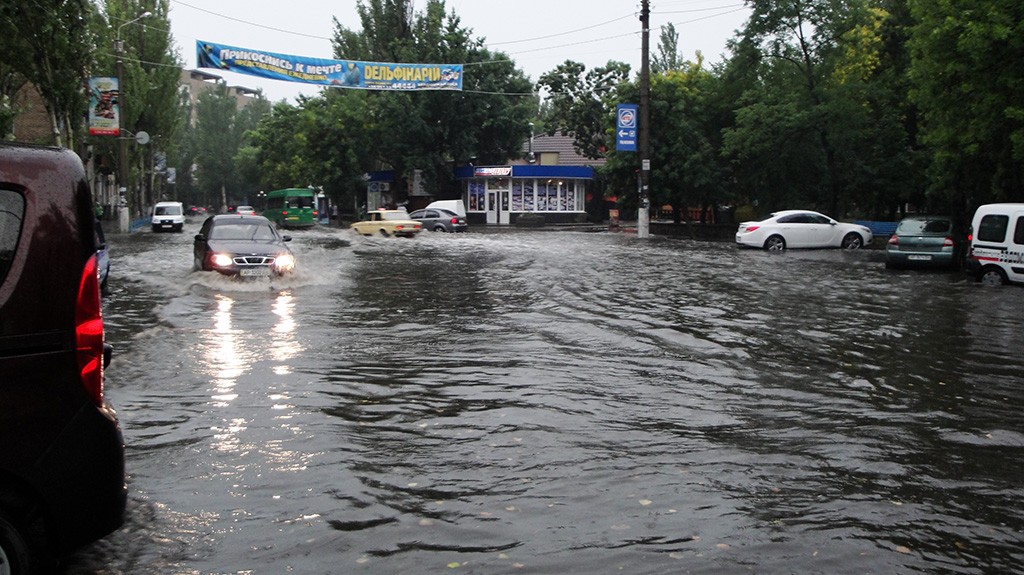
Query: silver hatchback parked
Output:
(921,241)
(440,220)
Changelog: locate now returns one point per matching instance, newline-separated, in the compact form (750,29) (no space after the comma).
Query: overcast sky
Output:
(537,34)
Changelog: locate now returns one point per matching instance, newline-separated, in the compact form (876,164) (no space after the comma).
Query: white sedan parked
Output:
(801,229)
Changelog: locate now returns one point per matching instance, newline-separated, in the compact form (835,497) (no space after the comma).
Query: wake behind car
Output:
(244,246)
(62,480)
(801,229)
(388,223)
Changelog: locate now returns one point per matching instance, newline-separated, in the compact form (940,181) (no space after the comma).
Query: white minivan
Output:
(996,252)
(168,216)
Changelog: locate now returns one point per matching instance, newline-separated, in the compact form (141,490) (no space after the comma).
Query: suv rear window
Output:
(993,228)
(12,212)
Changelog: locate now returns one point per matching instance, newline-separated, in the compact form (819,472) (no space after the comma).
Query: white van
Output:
(996,252)
(169,216)
(454,206)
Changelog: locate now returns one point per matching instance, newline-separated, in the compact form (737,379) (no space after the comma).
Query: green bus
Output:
(291,208)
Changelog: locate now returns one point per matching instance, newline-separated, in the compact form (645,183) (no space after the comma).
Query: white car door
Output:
(803,230)
(822,232)
(1015,253)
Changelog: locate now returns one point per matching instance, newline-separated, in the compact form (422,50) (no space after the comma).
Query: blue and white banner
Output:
(324,72)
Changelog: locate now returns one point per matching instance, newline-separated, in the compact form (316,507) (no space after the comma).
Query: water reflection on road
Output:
(562,402)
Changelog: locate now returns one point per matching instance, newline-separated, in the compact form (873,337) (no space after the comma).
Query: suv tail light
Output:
(894,240)
(89,332)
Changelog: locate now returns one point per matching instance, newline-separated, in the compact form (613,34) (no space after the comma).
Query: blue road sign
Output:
(626,127)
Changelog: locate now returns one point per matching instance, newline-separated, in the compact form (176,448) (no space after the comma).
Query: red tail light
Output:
(751,228)
(89,332)
(948,242)
(284,212)
(455,220)
(314,213)
(894,240)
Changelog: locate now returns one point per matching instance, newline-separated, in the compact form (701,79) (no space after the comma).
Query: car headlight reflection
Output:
(222,260)
(285,263)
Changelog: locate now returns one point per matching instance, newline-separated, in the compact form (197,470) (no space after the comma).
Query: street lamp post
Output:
(122,149)
(531,156)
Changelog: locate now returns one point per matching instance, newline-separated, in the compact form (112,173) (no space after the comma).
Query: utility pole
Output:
(122,147)
(643,218)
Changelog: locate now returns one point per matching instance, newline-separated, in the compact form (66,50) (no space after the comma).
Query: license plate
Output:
(254,272)
(919,258)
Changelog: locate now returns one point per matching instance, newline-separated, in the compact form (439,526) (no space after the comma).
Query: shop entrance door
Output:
(497,201)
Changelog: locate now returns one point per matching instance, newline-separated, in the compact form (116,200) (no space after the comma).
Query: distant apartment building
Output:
(196,82)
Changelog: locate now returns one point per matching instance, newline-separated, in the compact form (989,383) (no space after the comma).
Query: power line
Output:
(737,8)
(248,23)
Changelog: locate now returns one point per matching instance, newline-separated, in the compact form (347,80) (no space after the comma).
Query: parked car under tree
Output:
(921,241)
(802,229)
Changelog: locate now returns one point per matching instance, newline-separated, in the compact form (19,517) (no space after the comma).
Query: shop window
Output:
(517,196)
(476,190)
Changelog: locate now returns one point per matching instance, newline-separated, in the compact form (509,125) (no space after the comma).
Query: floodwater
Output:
(562,402)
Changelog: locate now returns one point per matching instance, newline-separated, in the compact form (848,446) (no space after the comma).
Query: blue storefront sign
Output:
(625,127)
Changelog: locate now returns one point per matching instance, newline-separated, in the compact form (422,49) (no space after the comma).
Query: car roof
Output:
(788,212)
(239,219)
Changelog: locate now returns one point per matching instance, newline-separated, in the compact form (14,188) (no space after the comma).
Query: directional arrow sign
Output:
(625,127)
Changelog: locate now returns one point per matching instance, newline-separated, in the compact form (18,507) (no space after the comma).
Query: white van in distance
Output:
(169,216)
(995,255)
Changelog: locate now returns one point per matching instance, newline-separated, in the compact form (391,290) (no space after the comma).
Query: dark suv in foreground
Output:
(62,481)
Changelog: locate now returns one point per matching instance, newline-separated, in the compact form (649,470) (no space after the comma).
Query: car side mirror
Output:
(286,238)
(200,238)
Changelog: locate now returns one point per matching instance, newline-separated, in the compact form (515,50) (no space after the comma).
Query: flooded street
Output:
(561,402)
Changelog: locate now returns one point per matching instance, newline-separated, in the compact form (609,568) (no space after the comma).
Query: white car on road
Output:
(801,229)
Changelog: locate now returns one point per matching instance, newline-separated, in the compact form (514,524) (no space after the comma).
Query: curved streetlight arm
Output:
(145,14)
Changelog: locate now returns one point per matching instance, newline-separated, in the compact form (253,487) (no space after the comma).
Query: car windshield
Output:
(168,211)
(924,227)
(242,231)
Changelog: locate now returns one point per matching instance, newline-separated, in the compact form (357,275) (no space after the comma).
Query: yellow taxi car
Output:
(388,223)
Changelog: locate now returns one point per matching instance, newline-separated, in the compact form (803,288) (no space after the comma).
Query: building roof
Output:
(560,144)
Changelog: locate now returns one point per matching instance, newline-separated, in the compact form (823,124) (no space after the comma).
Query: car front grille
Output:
(253,260)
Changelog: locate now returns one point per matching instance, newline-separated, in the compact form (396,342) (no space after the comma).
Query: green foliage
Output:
(430,131)
(686,169)
(49,41)
(582,102)
(226,167)
(667,57)
(966,73)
